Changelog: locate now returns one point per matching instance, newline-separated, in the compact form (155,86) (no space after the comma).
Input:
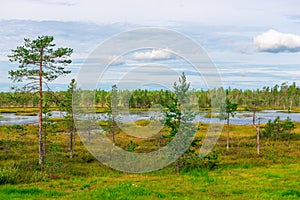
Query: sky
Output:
(252,43)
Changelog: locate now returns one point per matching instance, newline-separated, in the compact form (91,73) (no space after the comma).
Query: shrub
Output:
(20,172)
(131,146)
(194,161)
(278,128)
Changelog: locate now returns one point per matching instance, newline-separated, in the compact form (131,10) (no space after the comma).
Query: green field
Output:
(242,182)
(239,173)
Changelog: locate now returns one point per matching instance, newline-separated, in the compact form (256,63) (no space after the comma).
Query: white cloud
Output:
(160,54)
(54,2)
(275,42)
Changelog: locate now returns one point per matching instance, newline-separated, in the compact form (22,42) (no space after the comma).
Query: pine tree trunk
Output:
(71,144)
(253,116)
(113,137)
(74,137)
(228,131)
(45,137)
(113,130)
(89,133)
(41,111)
(178,165)
(258,142)
(159,142)
(71,138)
(258,139)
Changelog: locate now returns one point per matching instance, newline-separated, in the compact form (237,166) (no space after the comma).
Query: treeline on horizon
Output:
(282,96)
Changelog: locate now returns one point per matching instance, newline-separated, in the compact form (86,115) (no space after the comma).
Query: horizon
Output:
(58,88)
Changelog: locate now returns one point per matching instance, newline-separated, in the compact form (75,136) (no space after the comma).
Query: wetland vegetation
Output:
(47,158)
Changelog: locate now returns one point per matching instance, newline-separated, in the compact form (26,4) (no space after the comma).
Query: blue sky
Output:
(253,44)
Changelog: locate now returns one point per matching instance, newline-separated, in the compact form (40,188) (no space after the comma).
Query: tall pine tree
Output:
(39,63)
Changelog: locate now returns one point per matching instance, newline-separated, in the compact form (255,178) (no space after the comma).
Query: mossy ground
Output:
(240,174)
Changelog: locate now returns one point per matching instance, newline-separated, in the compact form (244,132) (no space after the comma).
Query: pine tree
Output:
(39,63)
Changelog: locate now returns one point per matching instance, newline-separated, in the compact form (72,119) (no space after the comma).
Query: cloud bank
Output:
(275,42)
(160,54)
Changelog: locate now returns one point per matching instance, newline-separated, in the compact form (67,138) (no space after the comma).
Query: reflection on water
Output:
(245,118)
(12,118)
(241,118)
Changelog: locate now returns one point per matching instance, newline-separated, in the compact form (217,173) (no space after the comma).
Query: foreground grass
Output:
(275,182)
(240,172)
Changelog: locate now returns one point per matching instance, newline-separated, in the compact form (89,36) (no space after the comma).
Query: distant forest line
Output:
(282,96)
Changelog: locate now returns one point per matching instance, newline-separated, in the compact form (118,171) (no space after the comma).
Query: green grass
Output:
(236,183)
(26,114)
(22,109)
(9,192)
(240,172)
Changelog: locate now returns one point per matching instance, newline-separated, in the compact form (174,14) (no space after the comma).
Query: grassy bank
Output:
(26,111)
(34,110)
